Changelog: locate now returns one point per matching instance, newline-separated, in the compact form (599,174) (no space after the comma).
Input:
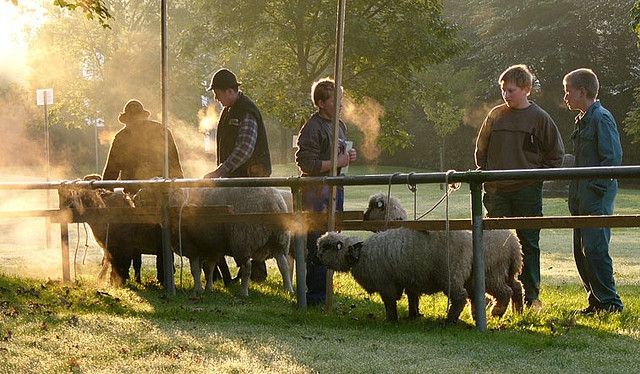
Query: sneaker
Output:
(591,309)
(610,308)
(535,305)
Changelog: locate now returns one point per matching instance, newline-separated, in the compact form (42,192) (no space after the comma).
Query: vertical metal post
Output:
(47,153)
(64,241)
(95,125)
(478,256)
(300,242)
(167,253)
(337,100)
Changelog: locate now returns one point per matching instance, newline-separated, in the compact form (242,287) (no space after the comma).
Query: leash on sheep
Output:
(386,215)
(445,196)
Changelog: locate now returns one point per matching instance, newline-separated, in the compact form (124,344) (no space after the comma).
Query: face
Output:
(226,96)
(327,107)
(573,97)
(515,97)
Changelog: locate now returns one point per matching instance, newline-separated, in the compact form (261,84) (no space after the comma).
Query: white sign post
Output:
(44,97)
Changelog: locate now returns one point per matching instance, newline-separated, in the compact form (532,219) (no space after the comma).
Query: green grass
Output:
(87,328)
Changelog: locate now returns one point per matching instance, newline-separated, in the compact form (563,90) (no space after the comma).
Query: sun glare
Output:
(17,22)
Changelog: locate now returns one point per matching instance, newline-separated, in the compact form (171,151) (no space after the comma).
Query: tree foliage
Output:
(281,47)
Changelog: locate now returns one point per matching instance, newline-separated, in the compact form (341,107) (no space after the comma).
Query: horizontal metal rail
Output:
(299,220)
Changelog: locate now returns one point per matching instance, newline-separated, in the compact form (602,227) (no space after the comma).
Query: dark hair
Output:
(584,78)
(517,74)
(223,79)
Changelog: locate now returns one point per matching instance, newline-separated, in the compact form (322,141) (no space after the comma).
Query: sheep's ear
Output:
(353,253)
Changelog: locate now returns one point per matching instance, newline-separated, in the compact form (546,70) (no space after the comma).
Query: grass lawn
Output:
(89,328)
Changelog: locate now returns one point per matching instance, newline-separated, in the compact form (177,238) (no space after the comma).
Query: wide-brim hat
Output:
(133,111)
(223,79)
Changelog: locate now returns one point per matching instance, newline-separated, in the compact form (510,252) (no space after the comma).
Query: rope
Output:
(86,242)
(386,215)
(413,188)
(75,255)
(445,196)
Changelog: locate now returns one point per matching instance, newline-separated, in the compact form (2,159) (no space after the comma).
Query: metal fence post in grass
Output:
(478,256)
(300,242)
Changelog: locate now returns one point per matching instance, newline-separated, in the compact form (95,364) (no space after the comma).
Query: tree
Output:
(553,38)
(280,47)
(92,9)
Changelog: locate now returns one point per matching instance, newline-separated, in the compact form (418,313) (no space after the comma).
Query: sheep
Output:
(122,243)
(502,252)
(396,260)
(204,243)
(377,209)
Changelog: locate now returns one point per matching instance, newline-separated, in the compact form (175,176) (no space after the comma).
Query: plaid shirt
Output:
(245,144)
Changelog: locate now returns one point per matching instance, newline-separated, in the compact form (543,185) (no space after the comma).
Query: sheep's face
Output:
(80,199)
(333,251)
(377,208)
(116,199)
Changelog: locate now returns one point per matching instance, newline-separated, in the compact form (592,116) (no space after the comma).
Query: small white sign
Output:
(99,122)
(44,96)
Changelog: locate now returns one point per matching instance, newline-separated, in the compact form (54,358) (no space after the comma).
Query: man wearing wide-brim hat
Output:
(137,152)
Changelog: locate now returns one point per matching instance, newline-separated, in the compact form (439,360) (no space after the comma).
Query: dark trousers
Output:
(316,199)
(526,202)
(591,247)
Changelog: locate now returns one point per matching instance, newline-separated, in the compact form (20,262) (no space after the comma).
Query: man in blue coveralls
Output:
(596,143)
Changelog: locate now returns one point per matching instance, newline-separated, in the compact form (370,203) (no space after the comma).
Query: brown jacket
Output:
(137,152)
(517,139)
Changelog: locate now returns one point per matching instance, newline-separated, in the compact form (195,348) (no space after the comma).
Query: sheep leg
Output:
(120,270)
(137,267)
(224,271)
(291,264)
(245,275)
(517,296)
(106,262)
(196,269)
(414,304)
(283,266)
(391,309)
(458,299)
(502,297)
(210,269)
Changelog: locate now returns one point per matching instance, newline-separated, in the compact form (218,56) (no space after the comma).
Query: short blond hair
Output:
(584,78)
(520,75)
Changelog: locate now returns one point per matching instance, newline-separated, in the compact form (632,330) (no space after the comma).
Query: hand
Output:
(343,160)
(214,174)
(352,155)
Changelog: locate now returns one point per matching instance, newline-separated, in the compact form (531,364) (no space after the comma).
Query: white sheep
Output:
(502,252)
(205,242)
(397,260)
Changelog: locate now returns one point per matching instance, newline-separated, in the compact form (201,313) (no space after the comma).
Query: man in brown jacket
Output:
(519,135)
(137,152)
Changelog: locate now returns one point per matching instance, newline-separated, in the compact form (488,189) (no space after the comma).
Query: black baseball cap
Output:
(223,79)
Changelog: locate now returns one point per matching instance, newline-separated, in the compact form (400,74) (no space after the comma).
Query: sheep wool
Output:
(397,260)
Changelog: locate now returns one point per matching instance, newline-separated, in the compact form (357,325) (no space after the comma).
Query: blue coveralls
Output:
(596,143)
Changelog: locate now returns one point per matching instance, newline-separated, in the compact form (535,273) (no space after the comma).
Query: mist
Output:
(365,116)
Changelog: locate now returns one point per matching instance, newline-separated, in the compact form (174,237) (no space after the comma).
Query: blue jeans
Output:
(316,199)
(591,246)
(526,202)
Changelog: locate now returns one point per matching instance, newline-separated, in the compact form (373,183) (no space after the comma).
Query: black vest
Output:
(259,164)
